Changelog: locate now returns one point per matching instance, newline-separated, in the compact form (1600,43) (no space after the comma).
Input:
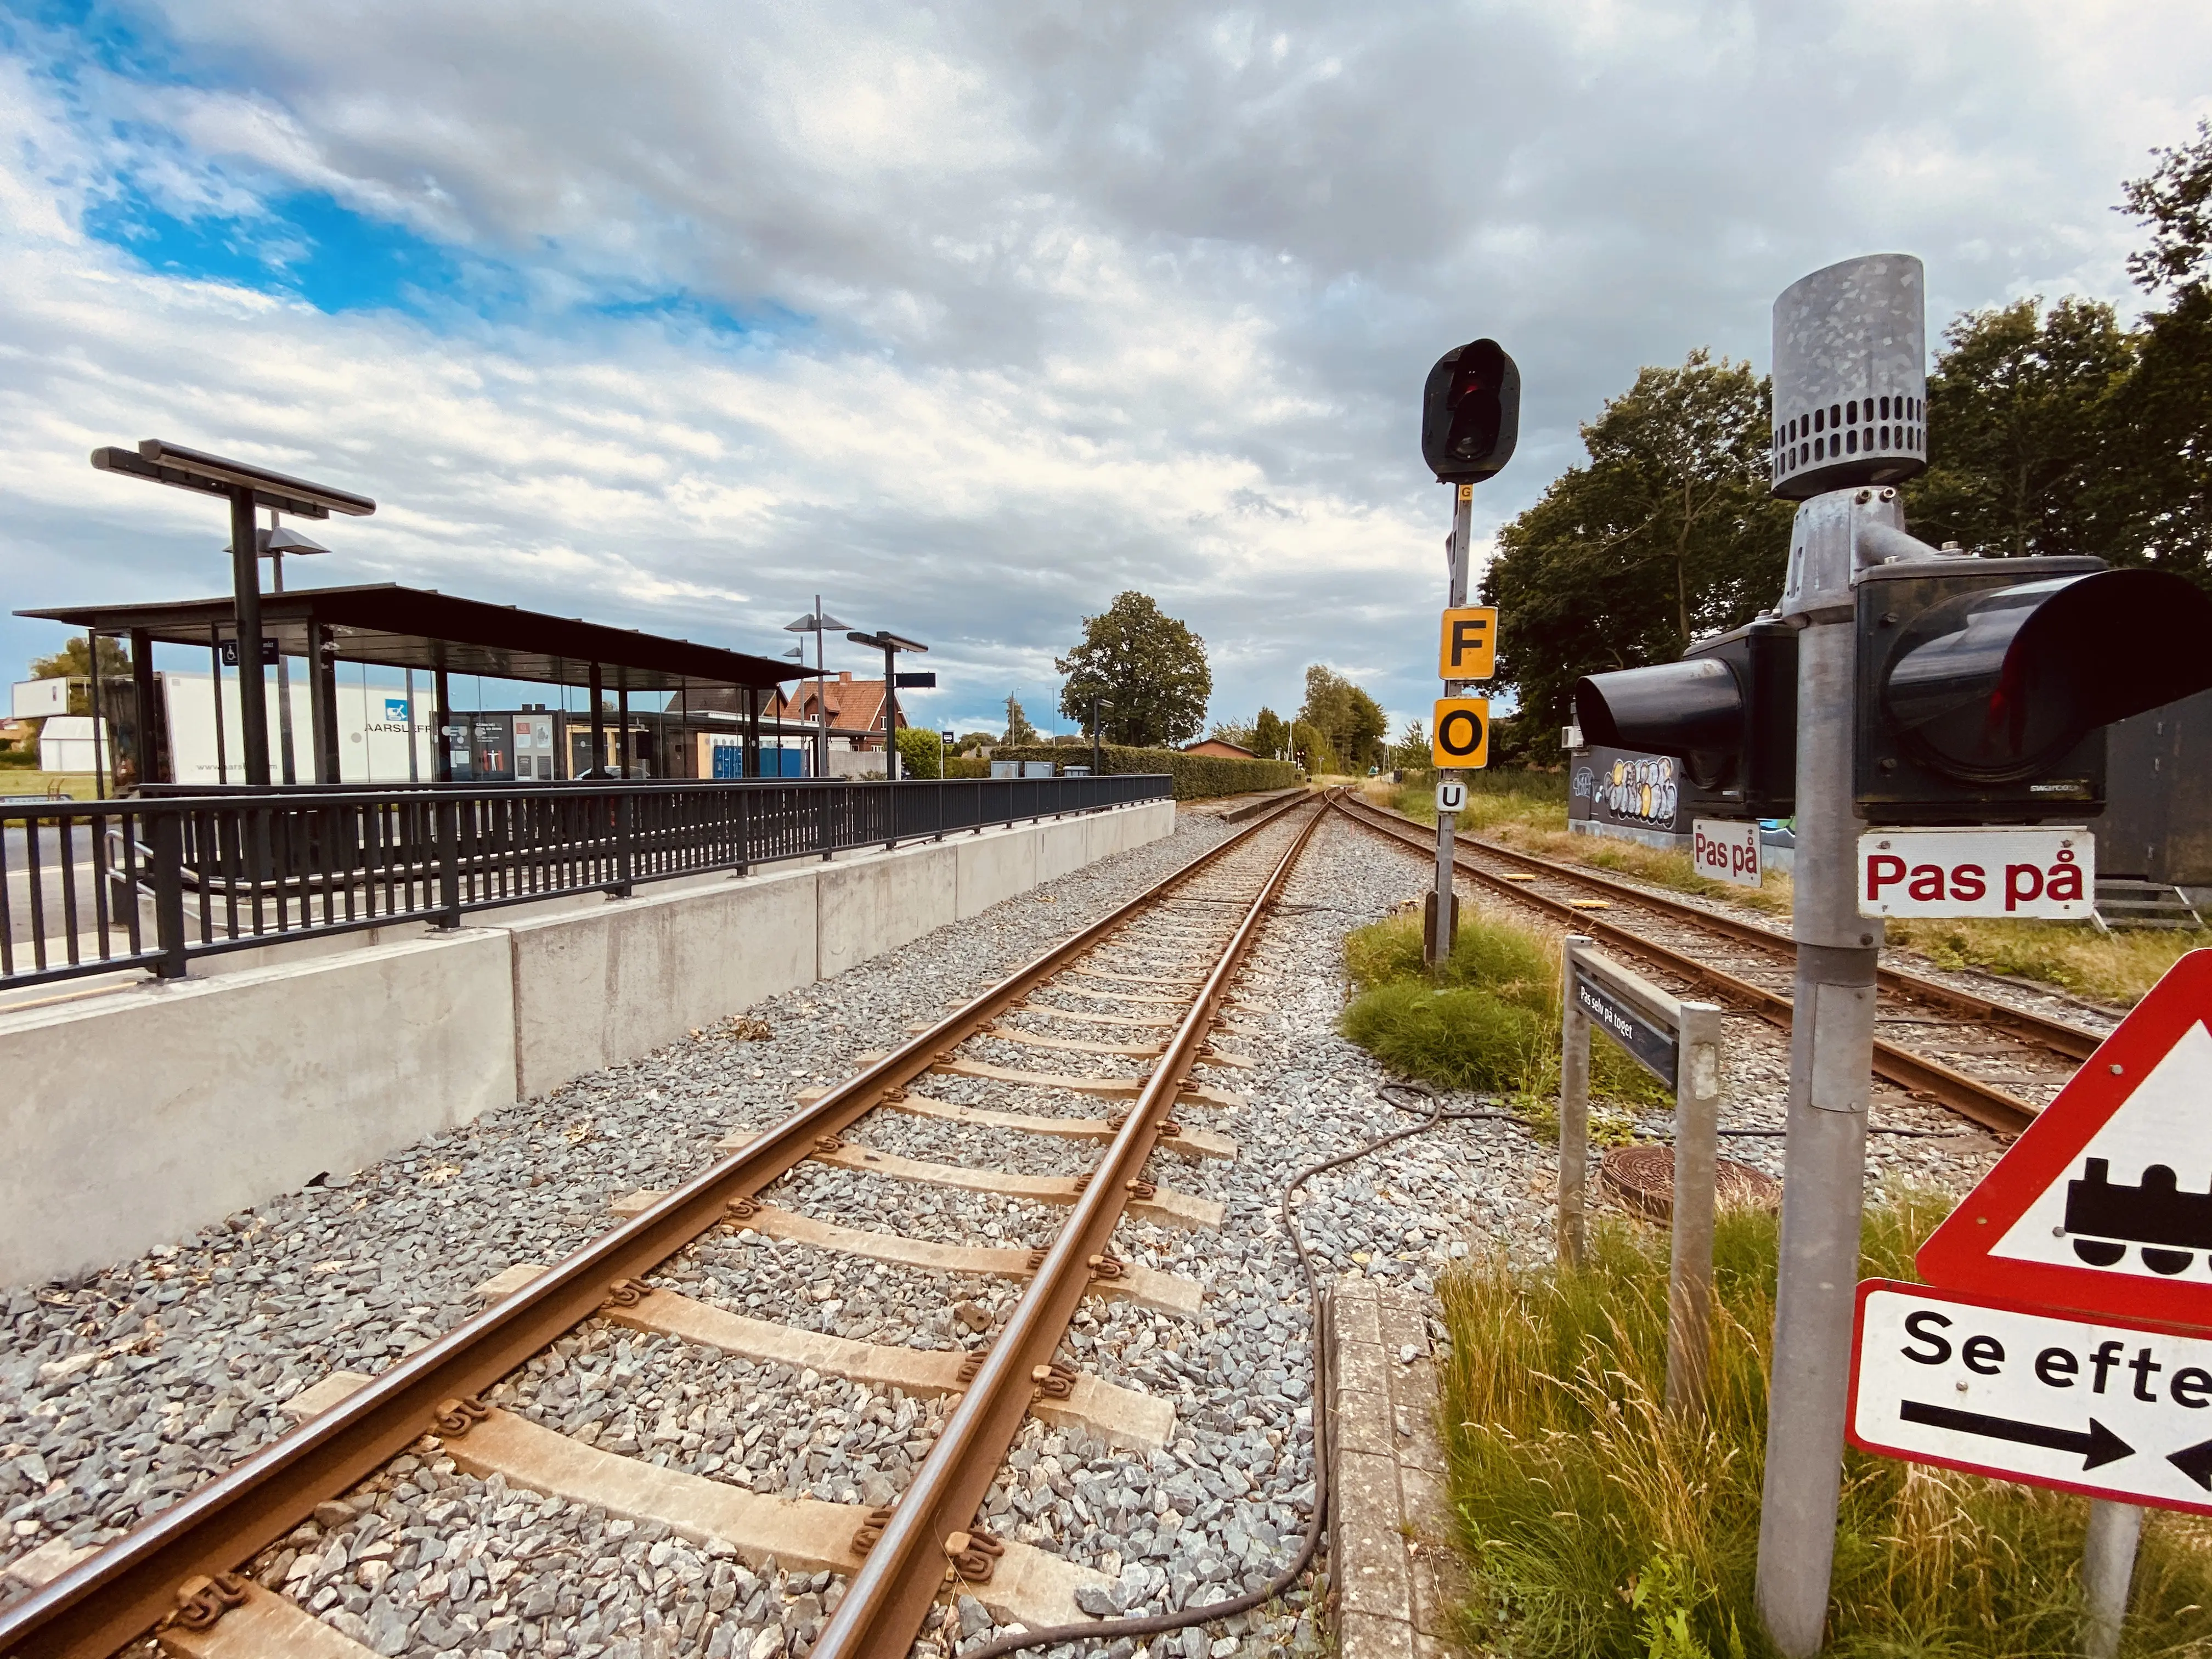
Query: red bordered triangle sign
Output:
(2105,1204)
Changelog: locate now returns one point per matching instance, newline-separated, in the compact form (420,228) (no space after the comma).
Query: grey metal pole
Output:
(1698,1082)
(2108,1564)
(821,698)
(1437,946)
(1574,1108)
(1831,1072)
(891,715)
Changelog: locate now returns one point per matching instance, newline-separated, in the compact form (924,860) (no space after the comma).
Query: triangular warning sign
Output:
(2105,1204)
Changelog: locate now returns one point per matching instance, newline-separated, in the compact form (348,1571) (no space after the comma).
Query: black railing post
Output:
(745,831)
(625,844)
(169,895)
(449,863)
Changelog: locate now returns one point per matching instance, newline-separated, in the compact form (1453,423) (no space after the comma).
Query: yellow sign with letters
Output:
(1469,648)
(1461,736)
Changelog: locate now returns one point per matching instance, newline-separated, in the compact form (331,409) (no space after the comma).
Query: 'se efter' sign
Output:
(1726,850)
(2045,872)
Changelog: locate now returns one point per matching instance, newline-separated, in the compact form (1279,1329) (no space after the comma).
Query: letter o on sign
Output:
(1461,732)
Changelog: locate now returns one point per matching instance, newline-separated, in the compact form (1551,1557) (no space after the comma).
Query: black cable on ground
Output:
(1109,1630)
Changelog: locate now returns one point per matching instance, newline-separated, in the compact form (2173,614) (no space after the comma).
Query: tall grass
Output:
(1594,1527)
(1487,1018)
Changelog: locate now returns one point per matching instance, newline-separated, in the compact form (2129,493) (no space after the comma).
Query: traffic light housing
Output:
(1728,710)
(1985,685)
(1470,413)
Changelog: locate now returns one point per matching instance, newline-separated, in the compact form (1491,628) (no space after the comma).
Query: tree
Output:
(1239,732)
(1411,752)
(1018,729)
(2163,412)
(2022,450)
(1149,669)
(1352,721)
(918,752)
(1271,738)
(74,661)
(1669,532)
(1311,749)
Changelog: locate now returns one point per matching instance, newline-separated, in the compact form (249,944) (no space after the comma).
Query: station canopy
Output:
(417,628)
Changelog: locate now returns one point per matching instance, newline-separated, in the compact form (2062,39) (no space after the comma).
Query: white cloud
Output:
(1054,299)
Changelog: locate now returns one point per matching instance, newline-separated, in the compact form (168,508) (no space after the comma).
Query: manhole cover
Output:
(1642,1179)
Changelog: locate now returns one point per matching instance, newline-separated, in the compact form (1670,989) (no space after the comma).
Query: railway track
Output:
(1108,1039)
(1967,1052)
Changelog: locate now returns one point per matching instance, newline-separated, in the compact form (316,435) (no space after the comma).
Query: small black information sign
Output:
(228,650)
(1650,1046)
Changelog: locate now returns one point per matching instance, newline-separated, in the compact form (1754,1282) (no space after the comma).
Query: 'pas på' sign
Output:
(2045,872)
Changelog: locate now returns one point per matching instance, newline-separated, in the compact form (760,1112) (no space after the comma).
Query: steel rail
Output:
(111,1598)
(1989,1106)
(2072,1042)
(928,1536)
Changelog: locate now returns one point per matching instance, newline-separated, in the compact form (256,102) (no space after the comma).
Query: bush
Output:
(918,752)
(1196,777)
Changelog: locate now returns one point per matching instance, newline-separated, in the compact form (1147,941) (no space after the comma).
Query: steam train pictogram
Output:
(2167,1225)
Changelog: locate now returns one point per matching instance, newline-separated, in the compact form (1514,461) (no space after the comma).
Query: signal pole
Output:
(1859,318)
(1442,922)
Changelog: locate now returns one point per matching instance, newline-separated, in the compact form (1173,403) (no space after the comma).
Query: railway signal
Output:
(1470,414)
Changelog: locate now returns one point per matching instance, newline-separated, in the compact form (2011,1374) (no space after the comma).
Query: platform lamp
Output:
(245,487)
(815,621)
(272,544)
(891,645)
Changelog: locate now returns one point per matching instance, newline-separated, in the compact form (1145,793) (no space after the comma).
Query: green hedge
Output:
(1197,777)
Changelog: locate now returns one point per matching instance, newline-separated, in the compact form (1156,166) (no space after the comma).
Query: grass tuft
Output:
(1594,1527)
(1487,1019)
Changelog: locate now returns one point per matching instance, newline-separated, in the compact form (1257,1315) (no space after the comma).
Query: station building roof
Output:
(419,628)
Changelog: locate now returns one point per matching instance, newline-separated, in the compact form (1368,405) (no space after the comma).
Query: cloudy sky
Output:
(968,315)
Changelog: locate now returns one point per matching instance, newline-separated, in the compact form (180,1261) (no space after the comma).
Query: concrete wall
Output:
(134,1115)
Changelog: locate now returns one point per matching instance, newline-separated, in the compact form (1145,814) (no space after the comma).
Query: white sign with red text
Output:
(2050,873)
(1726,850)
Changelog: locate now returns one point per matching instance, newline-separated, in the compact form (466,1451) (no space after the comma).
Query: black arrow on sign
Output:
(2196,1462)
(2098,1445)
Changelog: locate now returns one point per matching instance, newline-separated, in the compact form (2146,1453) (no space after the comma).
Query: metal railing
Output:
(95,887)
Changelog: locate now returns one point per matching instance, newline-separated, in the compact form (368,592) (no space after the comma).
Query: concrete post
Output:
(1697,1086)
(1831,1072)
(2108,1563)
(1574,1109)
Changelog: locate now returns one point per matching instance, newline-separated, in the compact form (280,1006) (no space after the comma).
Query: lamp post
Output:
(814,622)
(891,645)
(245,487)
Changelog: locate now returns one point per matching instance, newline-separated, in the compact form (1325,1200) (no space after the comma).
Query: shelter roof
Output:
(419,628)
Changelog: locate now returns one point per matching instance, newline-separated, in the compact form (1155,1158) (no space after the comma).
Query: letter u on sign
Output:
(1461,732)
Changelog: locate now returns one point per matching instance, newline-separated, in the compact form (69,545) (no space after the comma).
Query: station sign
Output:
(2116,1410)
(1460,735)
(1726,849)
(2048,873)
(1468,650)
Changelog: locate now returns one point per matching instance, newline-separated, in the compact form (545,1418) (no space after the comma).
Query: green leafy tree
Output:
(1354,722)
(1237,731)
(1270,736)
(2163,412)
(1667,534)
(1312,749)
(1149,669)
(971,742)
(2023,448)
(1411,752)
(1018,729)
(920,753)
